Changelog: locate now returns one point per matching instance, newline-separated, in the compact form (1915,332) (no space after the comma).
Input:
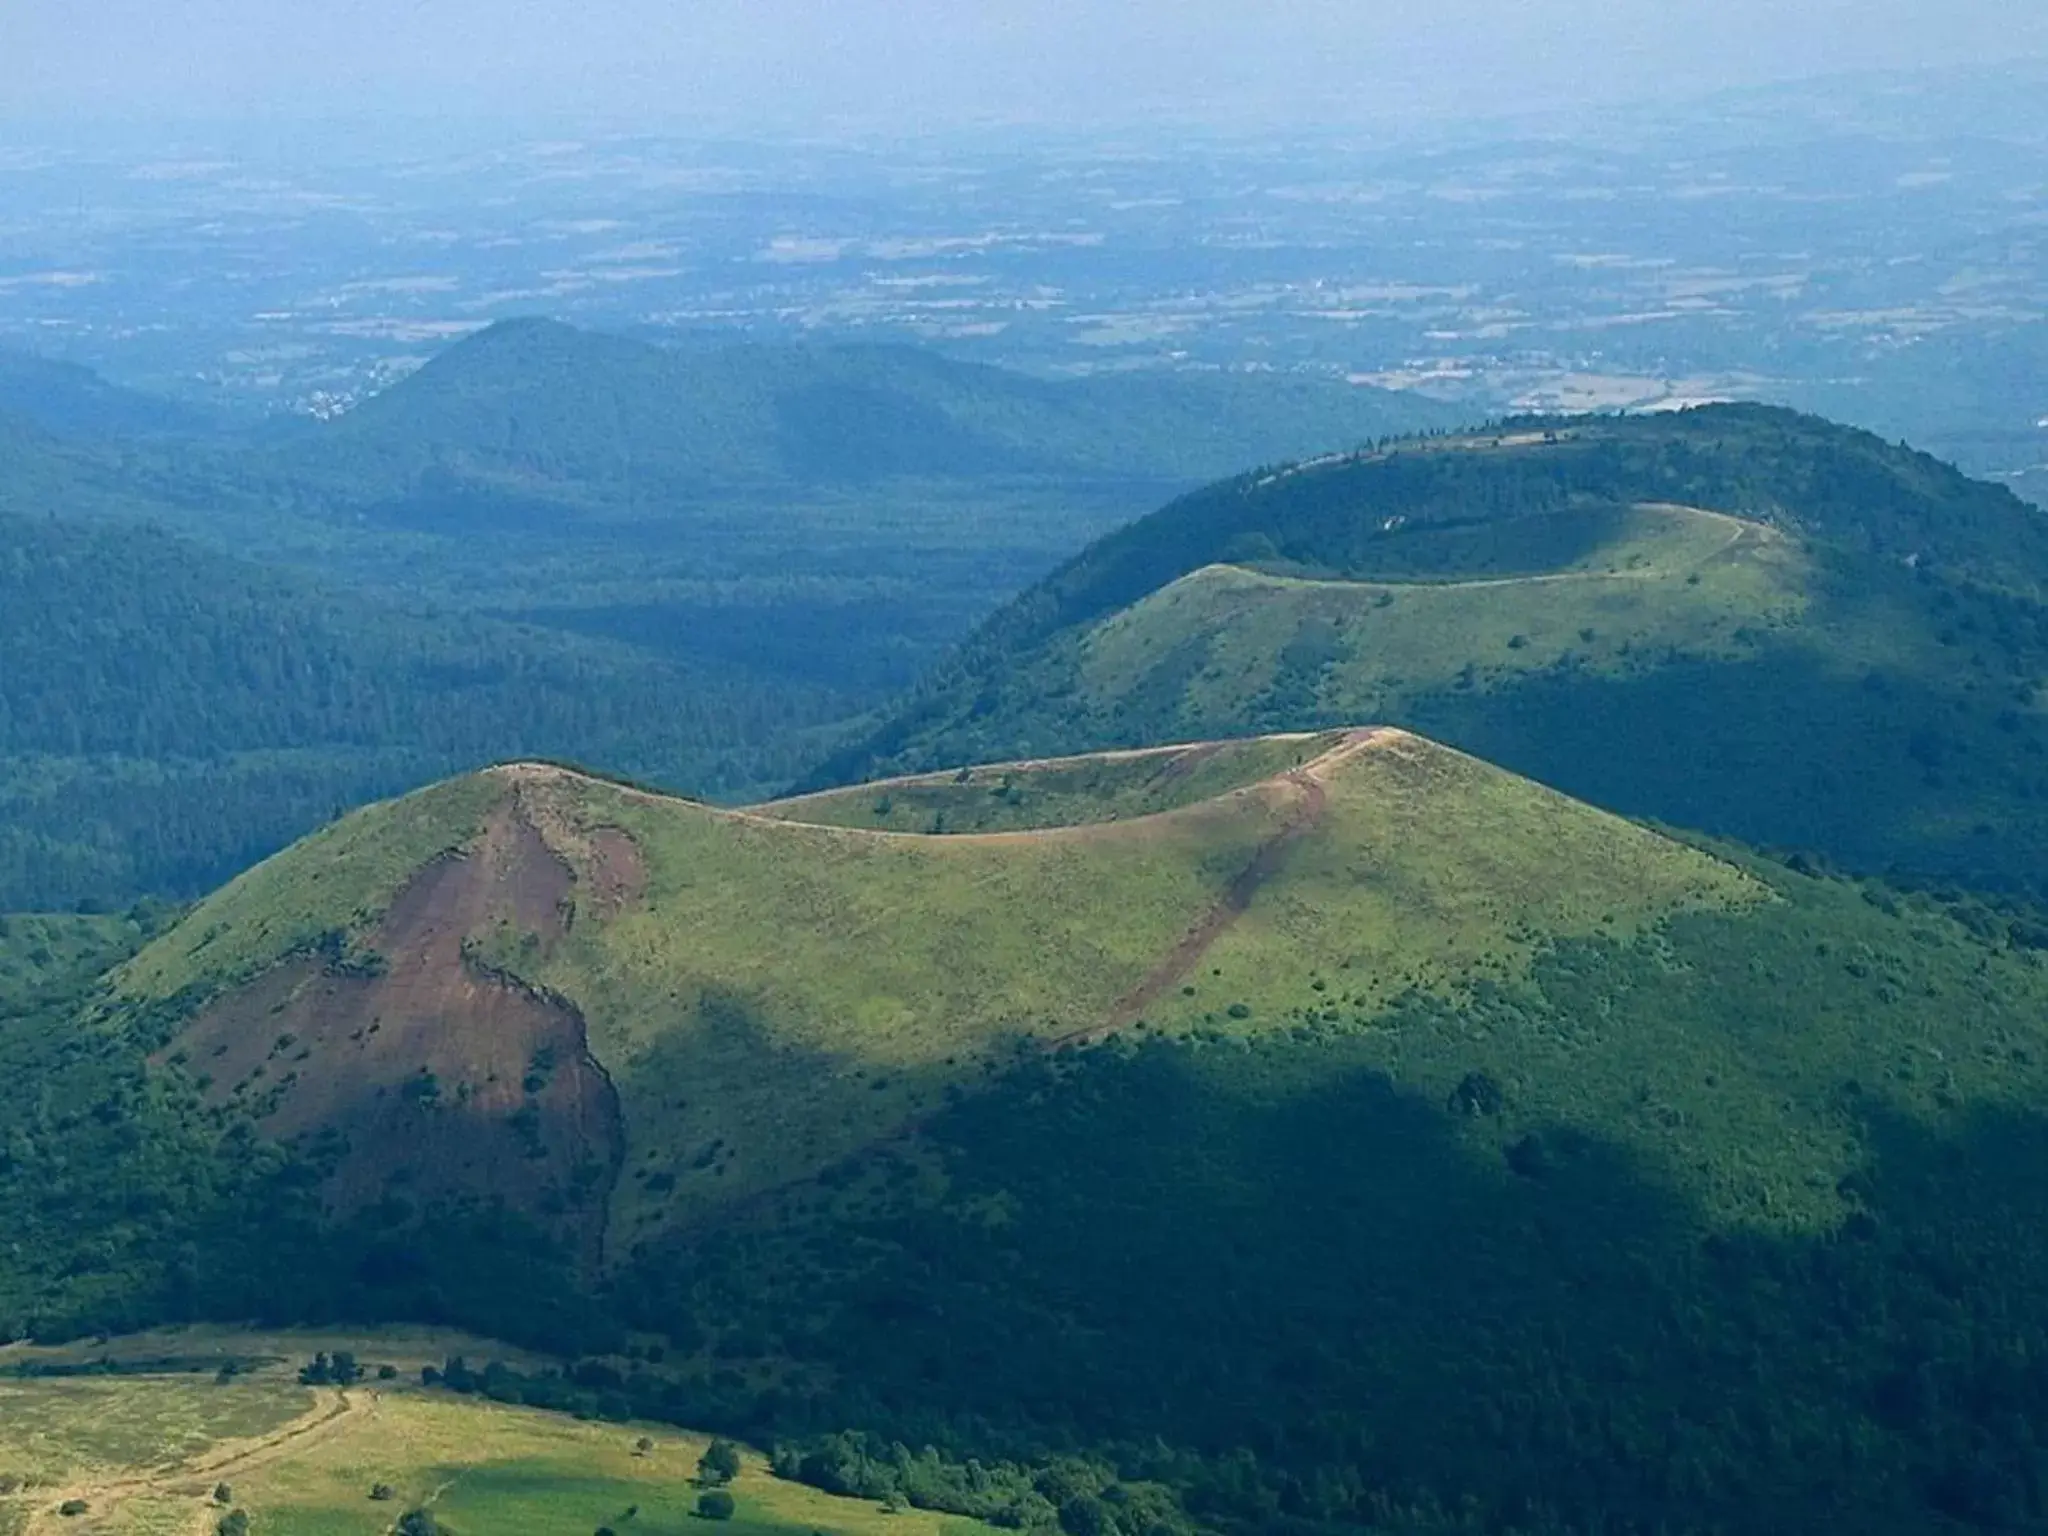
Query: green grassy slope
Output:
(1058,792)
(1421,1141)
(818,988)
(1718,1228)
(1734,619)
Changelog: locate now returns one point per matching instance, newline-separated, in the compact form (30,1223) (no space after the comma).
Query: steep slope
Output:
(1375,1136)
(1734,618)
(150,682)
(537,410)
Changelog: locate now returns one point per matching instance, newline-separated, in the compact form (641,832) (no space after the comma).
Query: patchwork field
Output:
(147,1453)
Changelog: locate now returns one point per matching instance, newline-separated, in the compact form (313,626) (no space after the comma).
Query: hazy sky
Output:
(926,63)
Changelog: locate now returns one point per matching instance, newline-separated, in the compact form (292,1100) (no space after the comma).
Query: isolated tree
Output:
(234,1523)
(223,1494)
(719,1464)
(418,1522)
(715,1504)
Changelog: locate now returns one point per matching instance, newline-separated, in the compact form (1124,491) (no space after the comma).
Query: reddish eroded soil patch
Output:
(441,1077)
(615,876)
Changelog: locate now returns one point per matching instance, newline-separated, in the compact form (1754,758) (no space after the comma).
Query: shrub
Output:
(234,1523)
(418,1522)
(382,1491)
(719,1464)
(73,1507)
(223,1494)
(715,1504)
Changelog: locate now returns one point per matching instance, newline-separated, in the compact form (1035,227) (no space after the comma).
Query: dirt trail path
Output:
(1307,784)
(1304,816)
(332,1412)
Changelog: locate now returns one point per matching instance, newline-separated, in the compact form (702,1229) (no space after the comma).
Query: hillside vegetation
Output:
(170,715)
(182,1429)
(697,567)
(1733,618)
(836,515)
(1057,792)
(817,988)
(534,407)
(1150,1136)
(71,401)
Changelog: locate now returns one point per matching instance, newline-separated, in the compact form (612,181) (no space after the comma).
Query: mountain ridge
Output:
(1862,585)
(531,398)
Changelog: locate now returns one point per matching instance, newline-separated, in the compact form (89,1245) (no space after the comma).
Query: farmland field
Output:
(146,1449)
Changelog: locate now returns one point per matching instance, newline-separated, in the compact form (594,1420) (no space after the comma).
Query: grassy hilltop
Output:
(1734,619)
(766,996)
(1335,1130)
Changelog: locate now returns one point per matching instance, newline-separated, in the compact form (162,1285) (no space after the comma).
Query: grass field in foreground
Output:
(145,1451)
(489,1470)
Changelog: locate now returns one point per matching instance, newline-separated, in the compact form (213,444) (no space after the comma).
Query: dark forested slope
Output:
(72,401)
(731,547)
(538,407)
(168,714)
(1734,618)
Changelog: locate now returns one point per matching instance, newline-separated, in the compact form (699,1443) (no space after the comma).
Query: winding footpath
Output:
(333,1410)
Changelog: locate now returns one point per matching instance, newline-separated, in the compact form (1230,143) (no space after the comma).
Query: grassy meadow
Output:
(1256,646)
(145,1449)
